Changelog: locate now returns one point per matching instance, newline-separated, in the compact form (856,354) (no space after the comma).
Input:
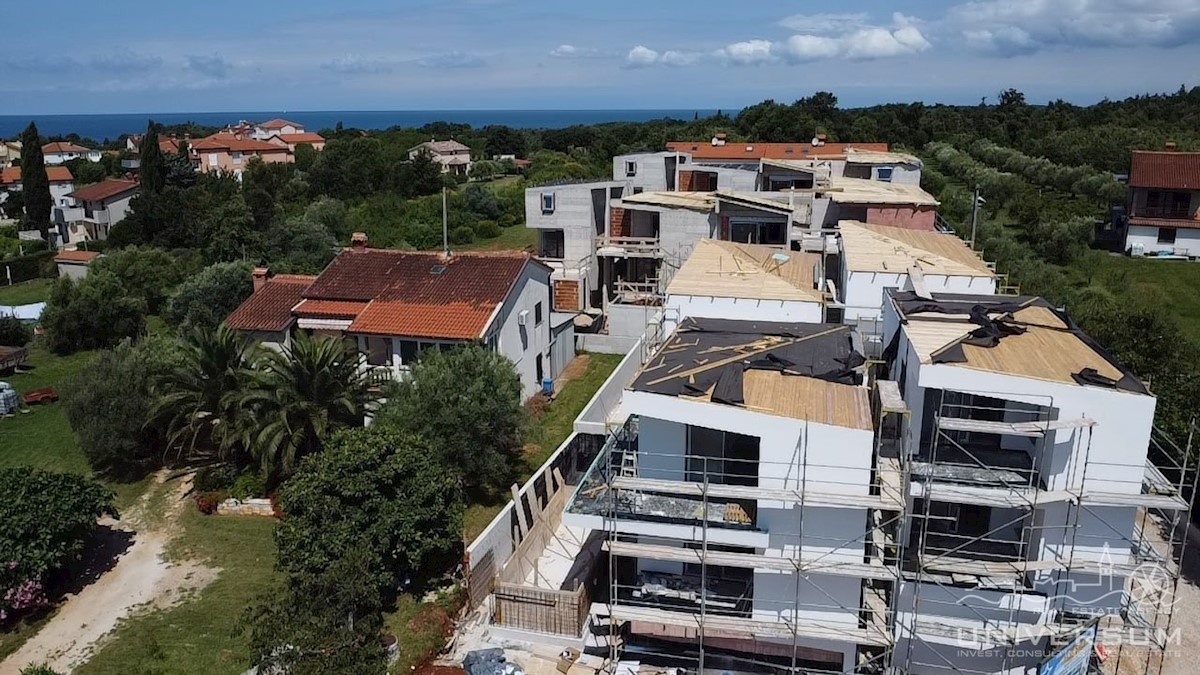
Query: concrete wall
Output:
(1187,240)
(862,292)
(652,171)
(72,271)
(679,307)
(607,399)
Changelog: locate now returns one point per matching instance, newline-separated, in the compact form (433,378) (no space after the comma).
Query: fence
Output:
(541,610)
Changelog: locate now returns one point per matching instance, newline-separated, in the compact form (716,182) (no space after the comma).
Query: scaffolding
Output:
(709,617)
(991,523)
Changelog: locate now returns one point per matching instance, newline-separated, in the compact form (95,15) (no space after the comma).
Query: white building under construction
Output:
(974,487)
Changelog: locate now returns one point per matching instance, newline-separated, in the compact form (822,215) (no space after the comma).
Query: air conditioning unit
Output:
(523,317)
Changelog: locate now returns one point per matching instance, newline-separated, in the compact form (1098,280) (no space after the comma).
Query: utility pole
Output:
(445,226)
(974,215)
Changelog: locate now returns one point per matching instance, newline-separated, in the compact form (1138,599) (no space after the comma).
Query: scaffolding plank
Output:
(984,568)
(1163,502)
(1156,482)
(1027,429)
(890,399)
(783,629)
(989,496)
(808,497)
(811,564)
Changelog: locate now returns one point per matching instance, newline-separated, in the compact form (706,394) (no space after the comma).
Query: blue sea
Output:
(100,127)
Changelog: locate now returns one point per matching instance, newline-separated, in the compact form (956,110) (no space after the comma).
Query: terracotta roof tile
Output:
(76,256)
(1180,223)
(56,174)
(1165,170)
(307,137)
(703,150)
(270,307)
(103,190)
(334,309)
(279,123)
(234,144)
(62,147)
(442,147)
(418,294)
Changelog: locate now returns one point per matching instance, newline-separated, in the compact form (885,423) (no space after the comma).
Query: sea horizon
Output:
(102,126)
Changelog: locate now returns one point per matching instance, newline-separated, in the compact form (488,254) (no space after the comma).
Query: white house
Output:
(739,499)
(1164,204)
(1028,449)
(454,157)
(875,258)
(95,209)
(74,264)
(60,152)
(746,282)
(275,127)
(395,304)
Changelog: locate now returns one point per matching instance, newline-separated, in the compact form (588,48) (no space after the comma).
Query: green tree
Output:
(109,404)
(47,518)
(152,170)
(326,624)
(424,176)
(376,490)
(144,272)
(305,156)
(229,233)
(195,402)
(14,332)
(180,172)
(467,403)
(204,300)
(35,184)
(298,396)
(98,312)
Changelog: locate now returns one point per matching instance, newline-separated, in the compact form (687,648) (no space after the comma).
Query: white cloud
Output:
(817,24)
(801,48)
(353,64)
(750,52)
(679,58)
(573,52)
(451,60)
(1010,27)
(641,57)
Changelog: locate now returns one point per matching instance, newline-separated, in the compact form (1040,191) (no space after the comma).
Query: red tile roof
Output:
(1165,222)
(307,137)
(55,174)
(419,294)
(232,143)
(103,190)
(278,123)
(702,150)
(334,309)
(76,256)
(270,307)
(1165,170)
(62,147)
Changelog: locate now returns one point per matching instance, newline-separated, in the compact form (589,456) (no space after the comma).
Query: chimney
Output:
(358,241)
(1171,146)
(259,276)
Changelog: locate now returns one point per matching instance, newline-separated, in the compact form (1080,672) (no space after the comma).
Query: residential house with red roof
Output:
(60,153)
(290,141)
(396,304)
(74,264)
(10,151)
(454,157)
(96,208)
(1164,203)
(276,127)
(230,153)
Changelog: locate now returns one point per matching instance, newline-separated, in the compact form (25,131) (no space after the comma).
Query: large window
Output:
(1164,204)
(551,244)
(757,232)
(1166,235)
(727,458)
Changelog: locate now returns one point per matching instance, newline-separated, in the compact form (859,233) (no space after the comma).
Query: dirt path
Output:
(141,578)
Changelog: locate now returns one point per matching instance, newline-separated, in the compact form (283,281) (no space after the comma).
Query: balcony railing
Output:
(633,246)
(1164,212)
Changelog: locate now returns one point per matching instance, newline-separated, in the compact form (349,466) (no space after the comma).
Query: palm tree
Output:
(193,398)
(296,397)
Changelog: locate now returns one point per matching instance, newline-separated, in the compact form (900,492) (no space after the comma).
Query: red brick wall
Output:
(686,180)
(566,295)
(618,222)
(723,235)
(911,217)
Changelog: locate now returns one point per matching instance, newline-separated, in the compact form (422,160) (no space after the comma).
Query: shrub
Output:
(249,485)
(14,332)
(487,229)
(206,502)
(214,478)
(462,234)
(98,312)
(203,301)
(39,669)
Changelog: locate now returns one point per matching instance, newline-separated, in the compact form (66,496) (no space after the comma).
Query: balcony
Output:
(628,247)
(1164,212)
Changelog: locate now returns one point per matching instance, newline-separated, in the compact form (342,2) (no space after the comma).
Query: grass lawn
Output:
(515,238)
(548,433)
(26,293)
(1174,284)
(201,634)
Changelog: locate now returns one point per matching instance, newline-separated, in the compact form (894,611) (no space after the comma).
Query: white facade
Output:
(680,307)
(863,292)
(1144,240)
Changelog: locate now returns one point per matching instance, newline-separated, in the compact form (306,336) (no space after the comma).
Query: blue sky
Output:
(84,56)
